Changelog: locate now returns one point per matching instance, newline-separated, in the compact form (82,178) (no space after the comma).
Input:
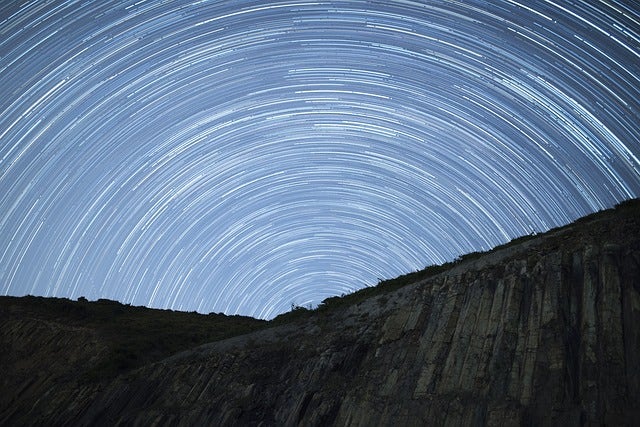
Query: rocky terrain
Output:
(543,331)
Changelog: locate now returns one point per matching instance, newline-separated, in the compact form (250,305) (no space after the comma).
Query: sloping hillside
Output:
(543,331)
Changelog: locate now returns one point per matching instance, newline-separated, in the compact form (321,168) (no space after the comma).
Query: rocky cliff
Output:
(545,331)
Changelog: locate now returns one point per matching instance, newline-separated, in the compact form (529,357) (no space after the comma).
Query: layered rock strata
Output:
(546,332)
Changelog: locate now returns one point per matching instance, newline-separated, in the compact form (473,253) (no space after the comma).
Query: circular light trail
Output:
(243,156)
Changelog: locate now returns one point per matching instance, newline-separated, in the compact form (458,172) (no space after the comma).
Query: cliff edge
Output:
(544,331)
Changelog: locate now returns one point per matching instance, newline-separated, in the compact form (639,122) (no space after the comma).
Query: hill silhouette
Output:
(540,331)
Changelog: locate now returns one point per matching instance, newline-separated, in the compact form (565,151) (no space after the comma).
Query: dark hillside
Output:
(540,331)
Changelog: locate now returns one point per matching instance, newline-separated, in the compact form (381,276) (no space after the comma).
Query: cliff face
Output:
(545,332)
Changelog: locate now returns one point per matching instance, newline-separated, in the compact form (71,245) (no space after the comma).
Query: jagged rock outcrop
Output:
(546,332)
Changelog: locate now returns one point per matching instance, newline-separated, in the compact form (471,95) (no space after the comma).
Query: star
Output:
(243,156)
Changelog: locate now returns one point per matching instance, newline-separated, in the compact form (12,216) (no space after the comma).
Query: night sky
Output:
(241,156)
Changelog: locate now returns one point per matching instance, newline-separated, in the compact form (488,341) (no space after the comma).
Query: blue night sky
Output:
(241,156)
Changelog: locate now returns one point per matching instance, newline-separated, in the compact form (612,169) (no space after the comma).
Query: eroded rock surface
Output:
(542,333)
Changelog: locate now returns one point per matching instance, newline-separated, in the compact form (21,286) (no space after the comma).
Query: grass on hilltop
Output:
(390,285)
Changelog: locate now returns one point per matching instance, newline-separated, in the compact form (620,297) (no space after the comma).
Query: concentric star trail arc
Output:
(243,156)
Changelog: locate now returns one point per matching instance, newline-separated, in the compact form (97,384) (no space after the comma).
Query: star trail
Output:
(243,156)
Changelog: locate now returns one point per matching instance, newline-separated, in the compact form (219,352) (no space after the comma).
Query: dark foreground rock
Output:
(544,332)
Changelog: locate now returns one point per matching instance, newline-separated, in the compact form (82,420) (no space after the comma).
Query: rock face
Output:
(546,332)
